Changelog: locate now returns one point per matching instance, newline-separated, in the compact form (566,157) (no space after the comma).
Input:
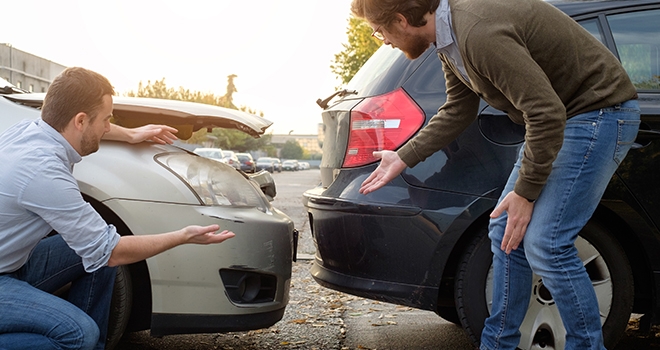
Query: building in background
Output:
(27,71)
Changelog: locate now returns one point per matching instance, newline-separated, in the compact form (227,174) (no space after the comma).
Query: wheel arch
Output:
(446,288)
(141,309)
(629,238)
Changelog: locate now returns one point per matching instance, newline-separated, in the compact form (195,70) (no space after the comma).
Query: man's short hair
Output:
(75,90)
(383,12)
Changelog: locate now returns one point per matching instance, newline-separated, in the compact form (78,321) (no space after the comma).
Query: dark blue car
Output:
(421,241)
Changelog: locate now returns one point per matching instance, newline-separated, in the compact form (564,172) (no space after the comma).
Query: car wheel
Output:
(120,307)
(542,328)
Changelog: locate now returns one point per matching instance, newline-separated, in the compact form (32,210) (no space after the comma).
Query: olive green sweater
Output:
(530,60)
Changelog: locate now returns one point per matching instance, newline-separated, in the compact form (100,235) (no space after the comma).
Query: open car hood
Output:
(187,117)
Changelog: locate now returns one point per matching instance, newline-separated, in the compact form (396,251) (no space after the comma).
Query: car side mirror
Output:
(266,182)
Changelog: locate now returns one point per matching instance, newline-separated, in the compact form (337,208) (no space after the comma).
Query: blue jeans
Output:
(33,318)
(594,145)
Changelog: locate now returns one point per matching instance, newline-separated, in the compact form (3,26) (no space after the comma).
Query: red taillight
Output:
(382,122)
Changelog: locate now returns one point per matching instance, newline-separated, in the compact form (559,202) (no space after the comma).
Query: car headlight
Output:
(214,183)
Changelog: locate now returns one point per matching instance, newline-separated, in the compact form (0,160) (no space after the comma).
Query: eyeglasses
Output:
(377,34)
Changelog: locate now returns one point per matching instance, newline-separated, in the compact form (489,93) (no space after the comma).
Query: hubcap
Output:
(542,328)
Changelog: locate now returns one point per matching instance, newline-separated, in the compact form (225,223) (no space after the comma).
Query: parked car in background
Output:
(290,165)
(266,163)
(231,159)
(421,241)
(240,285)
(278,165)
(304,165)
(211,153)
(246,162)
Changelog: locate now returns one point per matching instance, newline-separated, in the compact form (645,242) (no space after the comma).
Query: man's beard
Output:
(415,46)
(89,144)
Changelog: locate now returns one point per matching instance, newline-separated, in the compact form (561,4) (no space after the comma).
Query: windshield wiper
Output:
(341,93)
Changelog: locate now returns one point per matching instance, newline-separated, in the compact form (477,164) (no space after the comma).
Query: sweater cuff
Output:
(408,155)
(528,190)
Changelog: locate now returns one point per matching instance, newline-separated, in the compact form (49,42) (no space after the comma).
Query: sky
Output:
(280,50)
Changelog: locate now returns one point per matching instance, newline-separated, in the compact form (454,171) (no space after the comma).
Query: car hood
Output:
(187,117)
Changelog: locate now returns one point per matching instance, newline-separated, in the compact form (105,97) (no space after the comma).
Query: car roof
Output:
(576,8)
(187,117)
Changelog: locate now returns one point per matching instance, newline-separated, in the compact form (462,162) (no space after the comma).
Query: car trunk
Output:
(380,75)
(187,117)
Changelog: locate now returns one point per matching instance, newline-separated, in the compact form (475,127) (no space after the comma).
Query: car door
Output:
(634,37)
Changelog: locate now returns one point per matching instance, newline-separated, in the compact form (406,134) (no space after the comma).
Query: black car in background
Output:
(248,164)
(421,241)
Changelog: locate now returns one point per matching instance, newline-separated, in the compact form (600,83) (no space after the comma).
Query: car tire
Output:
(606,264)
(120,307)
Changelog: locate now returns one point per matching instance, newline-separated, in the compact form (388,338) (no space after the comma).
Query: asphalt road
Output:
(320,318)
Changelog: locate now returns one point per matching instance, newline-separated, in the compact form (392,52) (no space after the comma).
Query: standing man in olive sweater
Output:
(578,106)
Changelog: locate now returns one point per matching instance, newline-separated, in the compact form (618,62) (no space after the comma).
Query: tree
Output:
(291,150)
(159,89)
(361,45)
(222,138)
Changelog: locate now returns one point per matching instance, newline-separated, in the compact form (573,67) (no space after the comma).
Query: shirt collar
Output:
(71,154)
(443,31)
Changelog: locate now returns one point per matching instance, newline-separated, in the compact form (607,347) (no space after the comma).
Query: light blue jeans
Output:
(33,318)
(594,145)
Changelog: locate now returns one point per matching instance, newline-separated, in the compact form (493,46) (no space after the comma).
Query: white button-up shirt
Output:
(38,193)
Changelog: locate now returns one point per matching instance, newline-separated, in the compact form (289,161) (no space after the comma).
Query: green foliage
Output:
(361,45)
(159,89)
(291,150)
(223,138)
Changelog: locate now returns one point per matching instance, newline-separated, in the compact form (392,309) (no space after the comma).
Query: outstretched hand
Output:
(206,234)
(519,213)
(162,134)
(390,167)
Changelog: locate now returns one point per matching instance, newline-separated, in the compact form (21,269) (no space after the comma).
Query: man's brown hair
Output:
(383,12)
(75,90)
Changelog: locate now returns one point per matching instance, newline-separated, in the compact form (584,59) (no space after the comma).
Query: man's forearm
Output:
(131,249)
(117,133)
(137,248)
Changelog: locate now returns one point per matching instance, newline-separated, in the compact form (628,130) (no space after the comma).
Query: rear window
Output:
(386,70)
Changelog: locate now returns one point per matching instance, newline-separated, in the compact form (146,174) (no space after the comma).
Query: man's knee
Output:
(79,333)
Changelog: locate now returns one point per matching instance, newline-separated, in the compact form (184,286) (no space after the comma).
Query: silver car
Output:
(212,153)
(147,188)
